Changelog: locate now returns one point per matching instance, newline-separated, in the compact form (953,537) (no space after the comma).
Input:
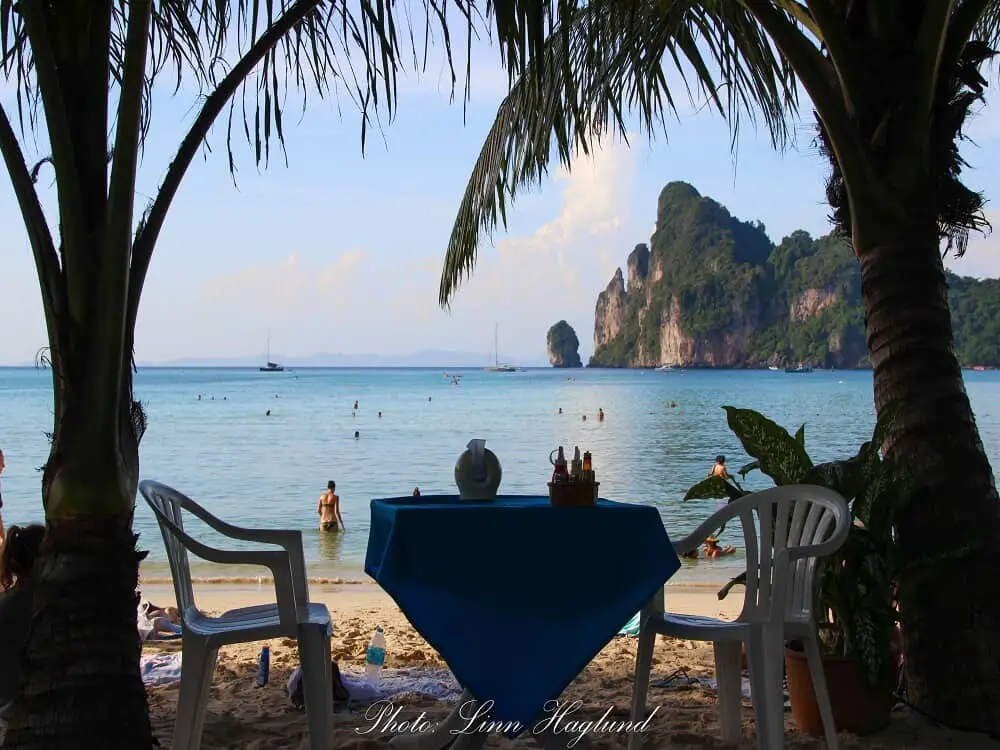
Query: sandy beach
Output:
(245,717)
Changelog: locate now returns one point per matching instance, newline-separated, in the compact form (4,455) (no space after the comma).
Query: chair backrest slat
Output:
(775,522)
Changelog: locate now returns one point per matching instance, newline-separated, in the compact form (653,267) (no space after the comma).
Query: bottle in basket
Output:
(375,657)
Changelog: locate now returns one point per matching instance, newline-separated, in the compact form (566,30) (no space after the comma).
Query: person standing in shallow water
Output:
(329,509)
(719,468)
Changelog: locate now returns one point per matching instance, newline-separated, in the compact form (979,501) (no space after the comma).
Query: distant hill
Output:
(429,358)
(710,290)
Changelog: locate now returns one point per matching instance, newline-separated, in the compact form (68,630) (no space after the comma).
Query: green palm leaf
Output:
(603,62)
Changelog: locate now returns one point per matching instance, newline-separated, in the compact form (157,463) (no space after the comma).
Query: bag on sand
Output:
(296,693)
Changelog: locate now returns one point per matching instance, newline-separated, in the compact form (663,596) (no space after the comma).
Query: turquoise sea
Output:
(267,471)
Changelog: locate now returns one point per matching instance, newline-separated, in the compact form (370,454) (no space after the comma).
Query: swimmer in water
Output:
(719,468)
(267,413)
(355,406)
(584,417)
(380,415)
(329,509)
(560,410)
(357,434)
(691,555)
(600,415)
(713,550)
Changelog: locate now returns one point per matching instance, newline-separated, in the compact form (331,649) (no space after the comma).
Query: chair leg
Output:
(815,660)
(728,686)
(197,667)
(317,683)
(774,651)
(761,695)
(643,665)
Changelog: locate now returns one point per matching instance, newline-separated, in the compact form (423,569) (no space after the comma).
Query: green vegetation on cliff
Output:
(712,290)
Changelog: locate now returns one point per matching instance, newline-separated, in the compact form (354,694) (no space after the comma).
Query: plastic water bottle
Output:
(375,657)
(264,666)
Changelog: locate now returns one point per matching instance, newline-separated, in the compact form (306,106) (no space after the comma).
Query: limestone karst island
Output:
(711,290)
(563,346)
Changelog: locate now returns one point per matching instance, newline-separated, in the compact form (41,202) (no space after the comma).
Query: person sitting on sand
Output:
(157,623)
(713,550)
(329,509)
(719,468)
(17,559)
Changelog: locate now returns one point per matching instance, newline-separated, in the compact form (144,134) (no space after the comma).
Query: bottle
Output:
(375,657)
(264,666)
(560,474)
(577,465)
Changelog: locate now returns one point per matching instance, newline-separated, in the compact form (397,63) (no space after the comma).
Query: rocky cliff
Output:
(711,290)
(563,346)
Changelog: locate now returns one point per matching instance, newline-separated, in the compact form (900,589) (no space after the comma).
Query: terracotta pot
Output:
(857,708)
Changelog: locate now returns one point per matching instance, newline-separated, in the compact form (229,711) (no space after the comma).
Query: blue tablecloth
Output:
(515,595)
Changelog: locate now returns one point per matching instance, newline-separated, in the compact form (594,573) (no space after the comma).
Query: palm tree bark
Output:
(948,532)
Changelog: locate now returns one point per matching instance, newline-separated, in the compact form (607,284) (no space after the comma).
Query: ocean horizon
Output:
(267,471)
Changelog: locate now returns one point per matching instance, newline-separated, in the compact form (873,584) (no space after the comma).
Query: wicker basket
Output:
(573,494)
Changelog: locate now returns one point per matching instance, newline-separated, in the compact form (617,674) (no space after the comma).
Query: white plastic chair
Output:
(293,616)
(808,523)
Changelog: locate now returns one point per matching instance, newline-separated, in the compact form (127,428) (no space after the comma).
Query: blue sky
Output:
(342,253)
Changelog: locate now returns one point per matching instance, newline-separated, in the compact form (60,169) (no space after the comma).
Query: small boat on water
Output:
(270,366)
(665,368)
(498,366)
(801,369)
(773,368)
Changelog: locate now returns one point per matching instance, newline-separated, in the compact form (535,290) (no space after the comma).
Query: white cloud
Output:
(368,302)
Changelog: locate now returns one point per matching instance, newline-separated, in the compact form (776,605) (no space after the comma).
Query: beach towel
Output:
(160,669)
(435,683)
(631,627)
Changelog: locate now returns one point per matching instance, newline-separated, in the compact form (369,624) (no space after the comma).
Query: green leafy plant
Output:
(855,607)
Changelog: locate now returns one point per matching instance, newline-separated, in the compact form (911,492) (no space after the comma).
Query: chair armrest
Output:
(695,538)
(290,540)
(278,561)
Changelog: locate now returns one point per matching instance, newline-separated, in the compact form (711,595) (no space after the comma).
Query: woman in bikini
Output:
(329,509)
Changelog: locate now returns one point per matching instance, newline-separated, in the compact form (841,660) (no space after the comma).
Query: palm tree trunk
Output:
(948,533)
(82,684)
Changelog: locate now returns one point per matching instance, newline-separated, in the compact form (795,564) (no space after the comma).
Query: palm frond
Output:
(352,47)
(601,63)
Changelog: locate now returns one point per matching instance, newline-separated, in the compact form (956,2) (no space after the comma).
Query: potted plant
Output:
(855,607)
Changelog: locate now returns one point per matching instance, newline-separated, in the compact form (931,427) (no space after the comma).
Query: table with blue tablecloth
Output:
(515,595)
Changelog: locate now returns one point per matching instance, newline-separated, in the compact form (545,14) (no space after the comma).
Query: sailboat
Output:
(270,366)
(497,366)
